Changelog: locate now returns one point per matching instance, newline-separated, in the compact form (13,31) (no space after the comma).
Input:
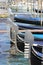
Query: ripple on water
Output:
(13,60)
(7,59)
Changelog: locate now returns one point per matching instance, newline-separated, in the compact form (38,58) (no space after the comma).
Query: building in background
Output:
(3,8)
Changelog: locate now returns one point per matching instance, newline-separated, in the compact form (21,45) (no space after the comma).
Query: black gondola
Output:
(20,37)
(36,53)
(26,18)
(28,26)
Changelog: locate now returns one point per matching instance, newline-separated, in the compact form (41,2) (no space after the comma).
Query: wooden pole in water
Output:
(38,7)
(41,12)
(31,7)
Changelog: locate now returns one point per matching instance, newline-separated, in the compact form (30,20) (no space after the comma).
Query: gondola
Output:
(27,26)
(26,18)
(20,37)
(37,36)
(36,53)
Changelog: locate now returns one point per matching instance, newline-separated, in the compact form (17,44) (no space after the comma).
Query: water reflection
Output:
(7,59)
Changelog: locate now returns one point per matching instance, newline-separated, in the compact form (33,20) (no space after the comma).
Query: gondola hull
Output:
(24,18)
(20,43)
(35,58)
(28,26)
(37,35)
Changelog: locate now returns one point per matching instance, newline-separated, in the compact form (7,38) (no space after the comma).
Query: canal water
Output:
(5,57)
